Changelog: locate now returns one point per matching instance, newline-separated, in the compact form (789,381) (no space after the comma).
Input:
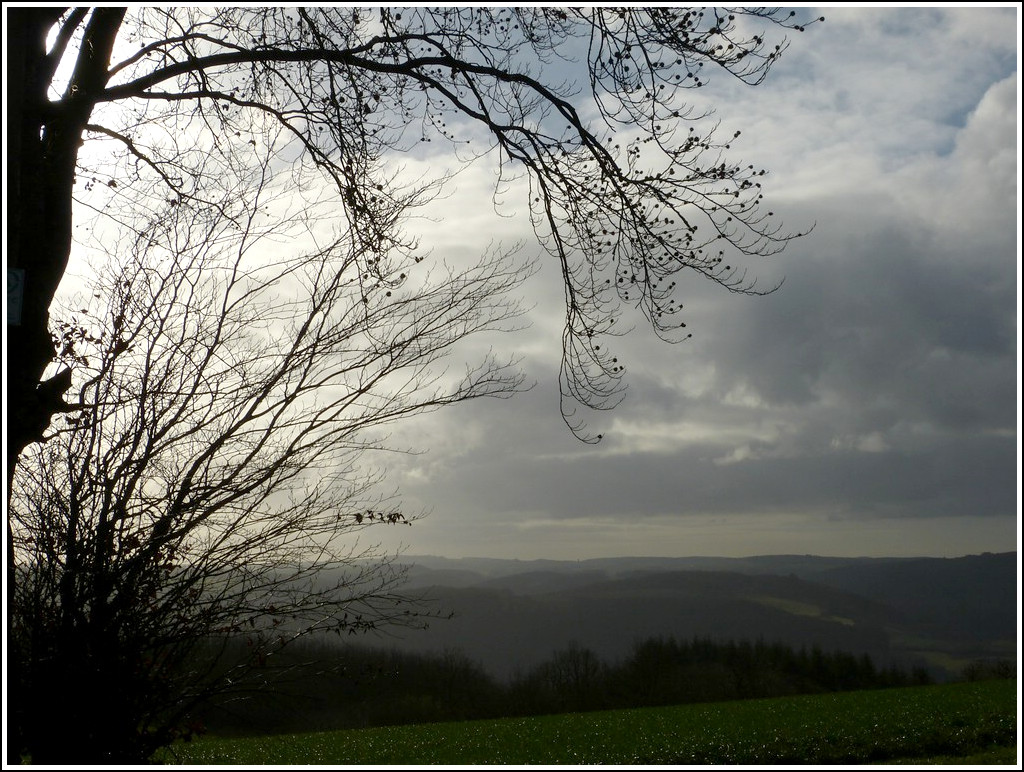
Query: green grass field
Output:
(973,723)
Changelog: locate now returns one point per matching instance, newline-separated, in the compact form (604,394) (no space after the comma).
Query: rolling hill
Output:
(510,615)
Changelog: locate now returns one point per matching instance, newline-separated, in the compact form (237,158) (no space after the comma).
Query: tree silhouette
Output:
(232,389)
(183,131)
(624,200)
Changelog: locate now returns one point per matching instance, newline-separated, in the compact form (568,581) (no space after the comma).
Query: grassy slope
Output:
(933,724)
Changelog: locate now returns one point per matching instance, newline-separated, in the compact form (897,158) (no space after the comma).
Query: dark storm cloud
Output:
(892,330)
(949,478)
(879,383)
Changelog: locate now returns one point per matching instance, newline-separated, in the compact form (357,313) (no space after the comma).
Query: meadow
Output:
(949,723)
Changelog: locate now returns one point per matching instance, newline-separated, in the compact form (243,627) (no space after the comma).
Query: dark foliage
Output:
(989,670)
(665,671)
(322,687)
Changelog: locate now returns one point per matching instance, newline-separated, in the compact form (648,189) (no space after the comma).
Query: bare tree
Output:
(217,396)
(231,387)
(624,201)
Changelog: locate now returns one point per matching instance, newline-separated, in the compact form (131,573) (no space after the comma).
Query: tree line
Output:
(319,686)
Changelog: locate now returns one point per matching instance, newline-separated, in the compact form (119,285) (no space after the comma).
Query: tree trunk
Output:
(42,151)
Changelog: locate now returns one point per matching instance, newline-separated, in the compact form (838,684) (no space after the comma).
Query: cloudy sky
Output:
(869,407)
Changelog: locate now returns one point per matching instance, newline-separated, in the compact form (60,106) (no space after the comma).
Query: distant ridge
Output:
(941,613)
(800,565)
